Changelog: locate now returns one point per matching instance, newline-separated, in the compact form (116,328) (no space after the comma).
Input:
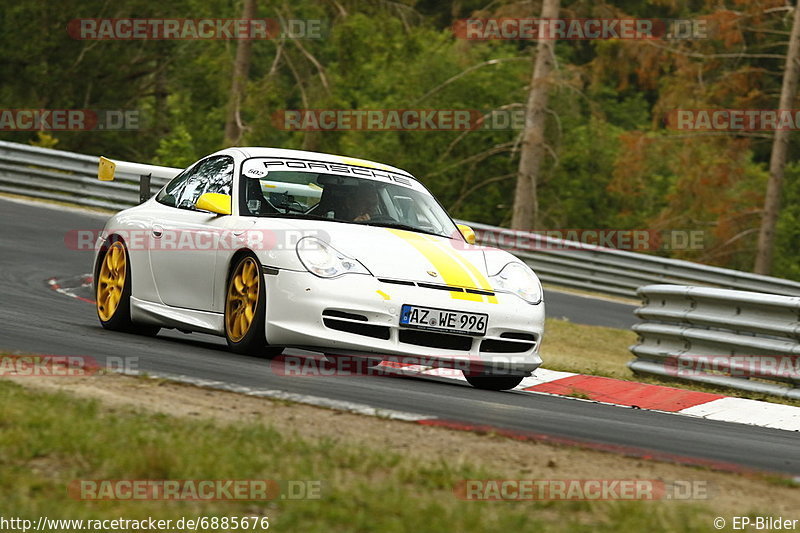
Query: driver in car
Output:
(363,206)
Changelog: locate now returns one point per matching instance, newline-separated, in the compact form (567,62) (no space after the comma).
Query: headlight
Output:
(518,279)
(325,261)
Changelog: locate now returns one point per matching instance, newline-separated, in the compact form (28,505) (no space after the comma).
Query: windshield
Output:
(383,199)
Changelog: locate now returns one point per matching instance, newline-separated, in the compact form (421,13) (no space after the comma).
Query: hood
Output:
(399,254)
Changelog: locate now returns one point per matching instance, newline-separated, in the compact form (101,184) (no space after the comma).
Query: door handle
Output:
(238,232)
(158,231)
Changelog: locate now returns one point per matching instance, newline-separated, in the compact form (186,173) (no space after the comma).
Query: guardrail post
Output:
(144,188)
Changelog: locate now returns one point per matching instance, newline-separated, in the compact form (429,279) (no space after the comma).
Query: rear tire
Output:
(245,310)
(496,383)
(113,292)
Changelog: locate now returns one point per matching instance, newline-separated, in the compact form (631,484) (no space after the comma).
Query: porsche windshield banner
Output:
(261,167)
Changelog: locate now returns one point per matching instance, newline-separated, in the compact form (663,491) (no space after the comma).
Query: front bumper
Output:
(359,315)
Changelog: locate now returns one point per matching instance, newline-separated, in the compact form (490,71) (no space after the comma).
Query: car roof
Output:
(284,153)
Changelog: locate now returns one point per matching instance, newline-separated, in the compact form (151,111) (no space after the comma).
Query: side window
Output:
(169,194)
(214,174)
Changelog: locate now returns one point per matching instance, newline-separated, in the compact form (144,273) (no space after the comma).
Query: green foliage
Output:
(44,140)
(176,149)
(609,163)
(787,246)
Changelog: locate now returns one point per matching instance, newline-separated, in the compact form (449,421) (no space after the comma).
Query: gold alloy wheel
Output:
(242,300)
(111,281)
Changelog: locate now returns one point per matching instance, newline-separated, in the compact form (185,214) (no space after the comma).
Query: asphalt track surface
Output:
(35,319)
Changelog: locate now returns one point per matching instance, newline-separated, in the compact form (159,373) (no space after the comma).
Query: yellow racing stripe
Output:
(451,270)
(362,163)
(479,280)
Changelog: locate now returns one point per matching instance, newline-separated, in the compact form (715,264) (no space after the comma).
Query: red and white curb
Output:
(648,397)
(73,286)
(579,387)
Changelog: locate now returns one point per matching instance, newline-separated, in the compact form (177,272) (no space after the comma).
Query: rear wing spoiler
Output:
(108,169)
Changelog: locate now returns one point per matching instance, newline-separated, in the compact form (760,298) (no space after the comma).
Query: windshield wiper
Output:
(295,215)
(400,225)
(396,225)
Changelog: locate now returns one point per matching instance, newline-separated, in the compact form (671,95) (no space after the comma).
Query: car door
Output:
(183,253)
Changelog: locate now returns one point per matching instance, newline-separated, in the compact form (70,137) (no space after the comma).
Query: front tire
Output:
(113,292)
(245,310)
(496,383)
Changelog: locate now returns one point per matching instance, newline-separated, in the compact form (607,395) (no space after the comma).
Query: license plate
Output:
(431,318)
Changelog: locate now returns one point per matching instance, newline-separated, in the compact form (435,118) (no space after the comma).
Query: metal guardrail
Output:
(70,177)
(64,176)
(585,266)
(745,340)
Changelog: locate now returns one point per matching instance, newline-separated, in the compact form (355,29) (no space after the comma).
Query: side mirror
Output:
(467,232)
(215,203)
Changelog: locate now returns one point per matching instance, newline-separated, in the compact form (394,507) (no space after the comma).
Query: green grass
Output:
(585,349)
(601,351)
(50,439)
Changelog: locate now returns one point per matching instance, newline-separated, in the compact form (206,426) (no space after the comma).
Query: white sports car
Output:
(276,248)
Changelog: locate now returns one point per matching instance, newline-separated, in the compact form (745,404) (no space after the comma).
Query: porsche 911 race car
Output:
(275,248)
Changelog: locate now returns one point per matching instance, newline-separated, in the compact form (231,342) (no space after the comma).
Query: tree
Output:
(526,206)
(780,148)
(241,69)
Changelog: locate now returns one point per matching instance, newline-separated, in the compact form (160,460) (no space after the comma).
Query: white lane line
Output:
(416,370)
(445,373)
(317,401)
(751,412)
(541,376)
